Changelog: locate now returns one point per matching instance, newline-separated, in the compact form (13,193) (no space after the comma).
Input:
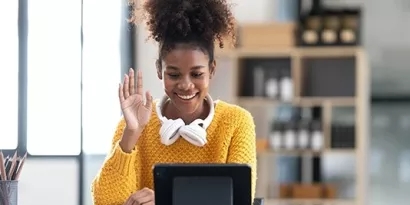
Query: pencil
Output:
(2,168)
(20,166)
(18,161)
(12,166)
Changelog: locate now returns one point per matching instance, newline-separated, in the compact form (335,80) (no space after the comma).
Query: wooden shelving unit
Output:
(298,60)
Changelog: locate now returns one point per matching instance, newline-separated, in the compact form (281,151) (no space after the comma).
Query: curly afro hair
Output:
(200,23)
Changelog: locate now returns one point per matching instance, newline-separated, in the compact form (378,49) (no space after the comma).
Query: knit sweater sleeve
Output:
(243,144)
(118,177)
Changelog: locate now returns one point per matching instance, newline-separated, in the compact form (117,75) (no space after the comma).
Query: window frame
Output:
(127,60)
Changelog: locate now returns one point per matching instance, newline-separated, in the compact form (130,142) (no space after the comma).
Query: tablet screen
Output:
(202,191)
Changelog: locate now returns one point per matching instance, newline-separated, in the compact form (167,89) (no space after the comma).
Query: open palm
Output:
(136,112)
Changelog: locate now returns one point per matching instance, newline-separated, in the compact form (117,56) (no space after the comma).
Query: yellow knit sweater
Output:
(231,139)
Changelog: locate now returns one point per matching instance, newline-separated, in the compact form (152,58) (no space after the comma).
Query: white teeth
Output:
(187,97)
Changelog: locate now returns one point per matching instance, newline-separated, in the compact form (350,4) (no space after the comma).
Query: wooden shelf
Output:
(301,101)
(329,52)
(309,202)
(311,70)
(258,101)
(320,101)
(290,52)
(268,153)
(260,53)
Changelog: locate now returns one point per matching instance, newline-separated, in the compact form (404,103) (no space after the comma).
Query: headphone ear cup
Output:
(169,131)
(194,133)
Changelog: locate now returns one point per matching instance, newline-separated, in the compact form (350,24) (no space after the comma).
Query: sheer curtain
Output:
(9,74)
(54,78)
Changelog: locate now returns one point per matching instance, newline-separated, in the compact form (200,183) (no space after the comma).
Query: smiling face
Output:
(186,73)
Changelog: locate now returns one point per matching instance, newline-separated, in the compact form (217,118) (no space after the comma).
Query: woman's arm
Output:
(243,144)
(119,176)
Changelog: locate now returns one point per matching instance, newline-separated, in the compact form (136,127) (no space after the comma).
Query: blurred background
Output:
(327,83)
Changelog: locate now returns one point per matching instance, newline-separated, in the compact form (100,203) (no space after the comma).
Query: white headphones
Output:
(195,133)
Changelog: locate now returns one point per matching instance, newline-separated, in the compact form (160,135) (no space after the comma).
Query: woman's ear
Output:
(212,68)
(159,70)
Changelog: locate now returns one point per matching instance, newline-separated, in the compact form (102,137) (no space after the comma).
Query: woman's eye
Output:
(173,75)
(196,75)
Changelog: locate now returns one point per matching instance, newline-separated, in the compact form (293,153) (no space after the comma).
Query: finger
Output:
(132,81)
(150,203)
(129,201)
(126,86)
(143,192)
(121,93)
(148,97)
(144,196)
(139,82)
(145,199)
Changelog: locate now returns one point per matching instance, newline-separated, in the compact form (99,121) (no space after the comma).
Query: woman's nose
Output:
(185,84)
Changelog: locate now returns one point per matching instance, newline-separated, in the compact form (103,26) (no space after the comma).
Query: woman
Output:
(186,125)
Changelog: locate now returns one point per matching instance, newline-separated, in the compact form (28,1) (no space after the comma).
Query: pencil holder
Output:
(8,192)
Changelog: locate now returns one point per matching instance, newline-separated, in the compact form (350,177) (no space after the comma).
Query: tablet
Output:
(202,184)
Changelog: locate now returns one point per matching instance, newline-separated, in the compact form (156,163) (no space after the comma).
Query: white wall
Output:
(60,177)
(48,182)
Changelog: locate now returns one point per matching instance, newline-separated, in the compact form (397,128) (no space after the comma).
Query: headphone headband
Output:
(195,133)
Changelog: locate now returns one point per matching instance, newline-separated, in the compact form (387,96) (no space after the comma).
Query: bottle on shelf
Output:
(272,84)
(331,27)
(276,136)
(290,135)
(350,26)
(317,138)
(312,24)
(303,137)
(286,86)
(258,79)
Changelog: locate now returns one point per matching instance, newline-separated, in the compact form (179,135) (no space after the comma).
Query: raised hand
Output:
(135,111)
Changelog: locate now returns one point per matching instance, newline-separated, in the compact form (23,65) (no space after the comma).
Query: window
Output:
(54,78)
(101,73)
(9,74)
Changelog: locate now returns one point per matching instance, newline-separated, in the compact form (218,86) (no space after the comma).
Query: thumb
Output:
(148,97)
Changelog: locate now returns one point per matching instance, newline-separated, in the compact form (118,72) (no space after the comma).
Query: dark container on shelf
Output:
(316,126)
(308,30)
(343,136)
(309,25)
(317,169)
(332,22)
(351,26)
